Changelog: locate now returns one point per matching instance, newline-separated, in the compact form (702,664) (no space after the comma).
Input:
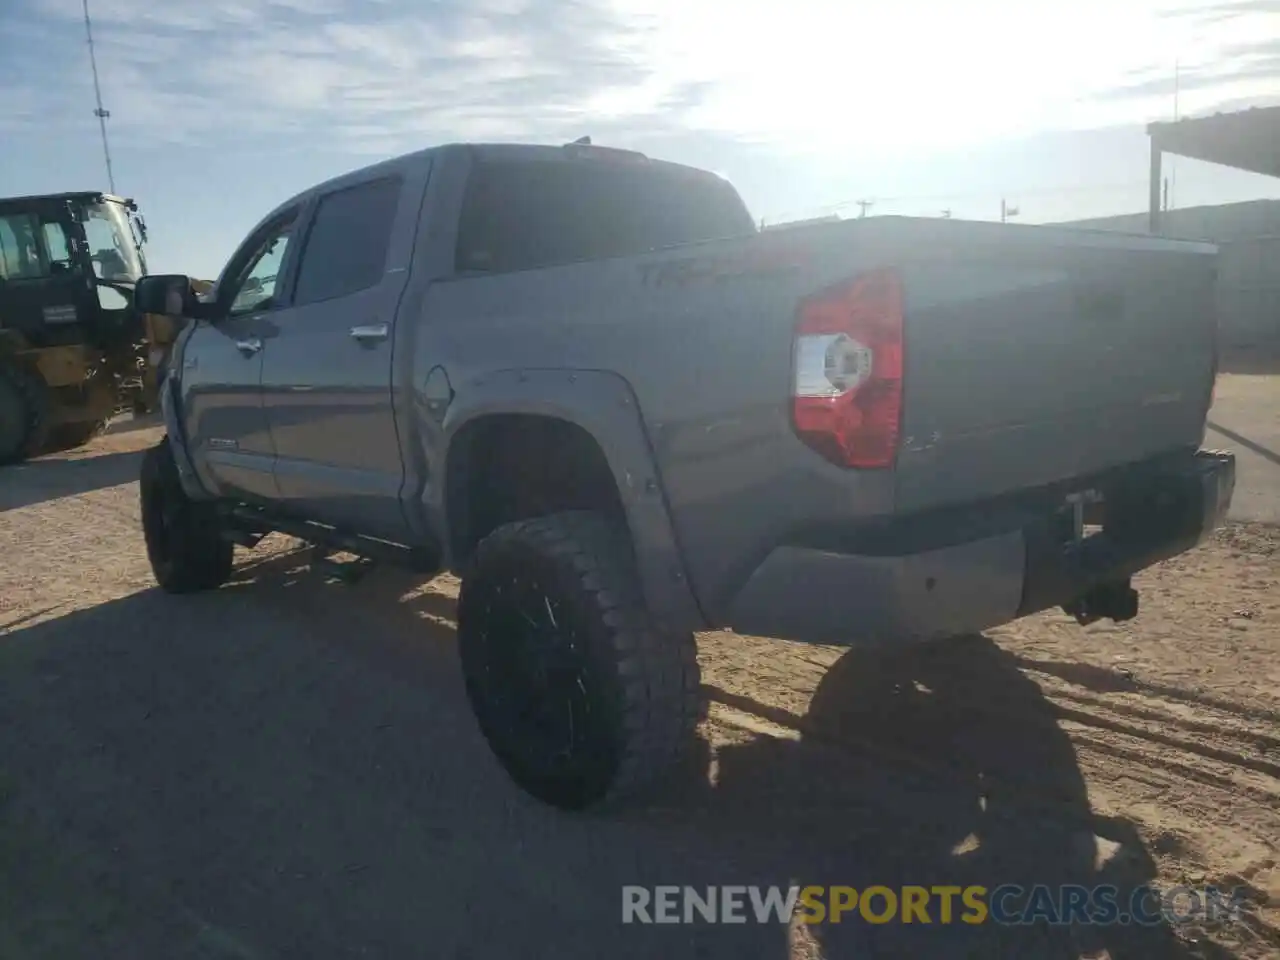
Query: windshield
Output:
(112,246)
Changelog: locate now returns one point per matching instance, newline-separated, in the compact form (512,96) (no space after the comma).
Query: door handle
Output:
(249,347)
(370,332)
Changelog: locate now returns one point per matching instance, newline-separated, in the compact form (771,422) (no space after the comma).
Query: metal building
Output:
(1247,234)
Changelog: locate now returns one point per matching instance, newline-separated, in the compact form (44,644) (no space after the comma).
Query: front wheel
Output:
(23,409)
(581,698)
(184,543)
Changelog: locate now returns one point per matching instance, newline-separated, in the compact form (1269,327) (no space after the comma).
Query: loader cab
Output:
(68,266)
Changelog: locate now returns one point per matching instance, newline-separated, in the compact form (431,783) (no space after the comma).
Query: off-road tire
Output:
(640,689)
(184,545)
(23,414)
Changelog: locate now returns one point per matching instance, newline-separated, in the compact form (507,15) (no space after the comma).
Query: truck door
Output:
(327,373)
(221,369)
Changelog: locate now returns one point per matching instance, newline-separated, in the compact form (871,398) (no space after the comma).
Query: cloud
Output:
(1225,56)
(367,76)
(882,78)
(380,76)
(1210,13)
(1255,65)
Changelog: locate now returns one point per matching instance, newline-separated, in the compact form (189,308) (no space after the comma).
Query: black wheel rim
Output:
(533,681)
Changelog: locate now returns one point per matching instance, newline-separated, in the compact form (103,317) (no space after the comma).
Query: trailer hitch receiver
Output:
(1116,600)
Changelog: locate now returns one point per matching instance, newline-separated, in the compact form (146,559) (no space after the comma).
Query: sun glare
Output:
(914,73)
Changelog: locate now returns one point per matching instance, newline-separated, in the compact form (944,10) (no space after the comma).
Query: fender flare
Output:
(605,407)
(169,410)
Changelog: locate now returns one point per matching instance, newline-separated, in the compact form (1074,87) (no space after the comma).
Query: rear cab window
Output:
(524,214)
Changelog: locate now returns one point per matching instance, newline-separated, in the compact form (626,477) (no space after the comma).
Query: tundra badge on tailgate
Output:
(718,269)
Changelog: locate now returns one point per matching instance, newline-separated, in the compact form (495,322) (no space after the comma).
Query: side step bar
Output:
(250,525)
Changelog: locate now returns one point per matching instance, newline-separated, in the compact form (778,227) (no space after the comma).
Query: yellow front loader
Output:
(73,350)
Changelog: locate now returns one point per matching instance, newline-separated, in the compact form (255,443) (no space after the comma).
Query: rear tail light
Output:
(847,376)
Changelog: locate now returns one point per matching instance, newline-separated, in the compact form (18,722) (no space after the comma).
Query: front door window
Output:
(259,284)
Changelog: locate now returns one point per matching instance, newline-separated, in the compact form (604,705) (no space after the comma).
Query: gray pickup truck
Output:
(580,378)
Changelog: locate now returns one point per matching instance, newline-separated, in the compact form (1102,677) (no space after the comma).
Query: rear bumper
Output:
(832,596)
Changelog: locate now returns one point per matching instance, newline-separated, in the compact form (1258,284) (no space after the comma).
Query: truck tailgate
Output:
(1035,355)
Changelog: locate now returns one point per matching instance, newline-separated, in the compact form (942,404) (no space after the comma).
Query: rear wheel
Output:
(184,544)
(582,699)
(22,415)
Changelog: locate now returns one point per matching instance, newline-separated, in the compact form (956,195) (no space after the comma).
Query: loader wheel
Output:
(581,698)
(187,553)
(23,421)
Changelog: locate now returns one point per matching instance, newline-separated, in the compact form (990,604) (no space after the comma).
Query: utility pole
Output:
(1173,160)
(100,113)
(864,205)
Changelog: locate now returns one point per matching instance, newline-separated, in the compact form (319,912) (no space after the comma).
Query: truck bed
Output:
(1032,356)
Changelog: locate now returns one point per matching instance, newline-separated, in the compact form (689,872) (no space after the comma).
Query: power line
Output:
(100,113)
(986,194)
(1173,158)
(1079,190)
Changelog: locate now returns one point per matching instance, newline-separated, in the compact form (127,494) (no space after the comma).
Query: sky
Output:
(221,109)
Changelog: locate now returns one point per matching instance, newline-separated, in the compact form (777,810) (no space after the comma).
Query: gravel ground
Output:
(287,767)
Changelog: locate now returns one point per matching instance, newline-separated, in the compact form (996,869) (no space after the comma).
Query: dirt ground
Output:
(287,767)
(1246,419)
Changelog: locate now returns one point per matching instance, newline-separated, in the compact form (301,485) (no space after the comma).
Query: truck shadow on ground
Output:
(946,765)
(287,767)
(38,481)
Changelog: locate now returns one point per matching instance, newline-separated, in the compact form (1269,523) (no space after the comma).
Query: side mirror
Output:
(166,294)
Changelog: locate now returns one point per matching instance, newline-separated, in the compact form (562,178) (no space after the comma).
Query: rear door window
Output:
(518,215)
(346,247)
